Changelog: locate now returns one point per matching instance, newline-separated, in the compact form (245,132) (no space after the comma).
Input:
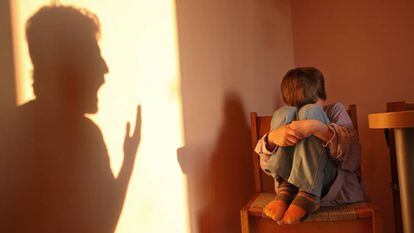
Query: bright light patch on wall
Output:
(139,44)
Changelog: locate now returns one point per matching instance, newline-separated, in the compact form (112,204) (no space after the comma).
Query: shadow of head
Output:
(68,68)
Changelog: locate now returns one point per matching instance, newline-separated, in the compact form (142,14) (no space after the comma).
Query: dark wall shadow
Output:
(225,182)
(55,169)
(230,162)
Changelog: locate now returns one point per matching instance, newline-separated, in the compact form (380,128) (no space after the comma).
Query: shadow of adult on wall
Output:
(55,168)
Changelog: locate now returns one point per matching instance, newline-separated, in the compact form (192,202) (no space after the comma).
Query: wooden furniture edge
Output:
(402,119)
(364,212)
(376,218)
(255,157)
(253,210)
(245,212)
(244,219)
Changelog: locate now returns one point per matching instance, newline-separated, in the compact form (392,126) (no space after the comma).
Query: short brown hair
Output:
(303,85)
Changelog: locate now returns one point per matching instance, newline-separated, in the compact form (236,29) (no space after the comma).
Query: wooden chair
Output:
(356,218)
(389,136)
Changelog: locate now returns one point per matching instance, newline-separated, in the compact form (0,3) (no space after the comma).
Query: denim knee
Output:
(312,111)
(283,116)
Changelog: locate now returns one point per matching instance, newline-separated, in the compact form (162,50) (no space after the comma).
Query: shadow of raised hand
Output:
(131,143)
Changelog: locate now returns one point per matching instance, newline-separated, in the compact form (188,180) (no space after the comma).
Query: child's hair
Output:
(303,85)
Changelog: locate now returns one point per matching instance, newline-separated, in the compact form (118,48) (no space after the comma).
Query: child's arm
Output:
(339,135)
(267,145)
(312,127)
(283,136)
(344,141)
(264,152)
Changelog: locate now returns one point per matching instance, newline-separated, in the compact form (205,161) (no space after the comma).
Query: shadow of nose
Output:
(105,66)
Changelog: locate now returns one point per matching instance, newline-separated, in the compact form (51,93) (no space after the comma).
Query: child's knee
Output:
(283,116)
(311,111)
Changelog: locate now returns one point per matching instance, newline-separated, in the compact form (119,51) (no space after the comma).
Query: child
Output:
(312,150)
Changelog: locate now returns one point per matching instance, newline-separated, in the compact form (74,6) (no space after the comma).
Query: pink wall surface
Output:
(8,95)
(366,51)
(233,54)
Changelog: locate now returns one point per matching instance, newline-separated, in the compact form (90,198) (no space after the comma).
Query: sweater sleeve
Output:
(263,152)
(344,134)
(342,141)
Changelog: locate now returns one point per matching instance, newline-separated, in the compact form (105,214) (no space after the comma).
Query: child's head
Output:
(303,85)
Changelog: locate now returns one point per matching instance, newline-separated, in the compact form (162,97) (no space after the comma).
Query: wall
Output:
(233,54)
(140,46)
(7,94)
(365,50)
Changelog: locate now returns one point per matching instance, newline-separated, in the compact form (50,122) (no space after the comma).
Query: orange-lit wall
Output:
(366,50)
(139,42)
(233,54)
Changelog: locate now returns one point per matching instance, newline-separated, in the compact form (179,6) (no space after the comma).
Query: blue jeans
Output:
(307,164)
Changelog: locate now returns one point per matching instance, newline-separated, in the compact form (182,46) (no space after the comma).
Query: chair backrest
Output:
(260,125)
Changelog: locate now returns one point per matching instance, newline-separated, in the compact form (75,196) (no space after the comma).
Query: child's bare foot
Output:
(303,204)
(276,208)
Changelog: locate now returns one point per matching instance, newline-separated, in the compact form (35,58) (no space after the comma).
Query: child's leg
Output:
(309,158)
(308,167)
(279,165)
(331,171)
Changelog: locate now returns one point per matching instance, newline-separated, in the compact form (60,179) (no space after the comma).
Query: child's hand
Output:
(284,136)
(305,127)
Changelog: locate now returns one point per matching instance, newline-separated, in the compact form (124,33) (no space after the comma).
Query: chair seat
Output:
(338,213)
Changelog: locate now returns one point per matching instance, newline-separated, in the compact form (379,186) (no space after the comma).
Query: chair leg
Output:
(244,216)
